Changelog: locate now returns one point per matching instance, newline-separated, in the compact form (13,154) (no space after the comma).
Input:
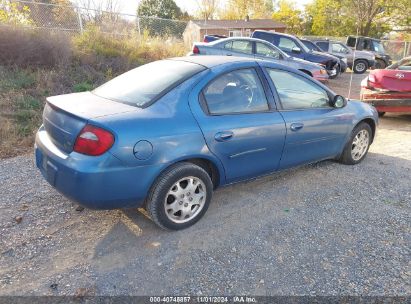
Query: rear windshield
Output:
(143,85)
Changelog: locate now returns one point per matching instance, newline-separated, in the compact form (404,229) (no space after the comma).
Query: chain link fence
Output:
(75,19)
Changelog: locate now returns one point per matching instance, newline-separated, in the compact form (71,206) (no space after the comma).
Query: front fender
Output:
(361,111)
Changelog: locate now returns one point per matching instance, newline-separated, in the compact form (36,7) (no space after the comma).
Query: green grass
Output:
(28,114)
(15,80)
(28,102)
(27,121)
(82,87)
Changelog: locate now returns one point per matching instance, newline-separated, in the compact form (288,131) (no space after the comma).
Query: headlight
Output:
(322,71)
(344,60)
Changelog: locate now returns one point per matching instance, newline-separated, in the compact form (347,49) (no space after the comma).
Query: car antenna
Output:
(353,60)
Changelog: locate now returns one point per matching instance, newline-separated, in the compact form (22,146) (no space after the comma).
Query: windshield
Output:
(378,47)
(142,85)
(310,45)
(285,55)
(302,45)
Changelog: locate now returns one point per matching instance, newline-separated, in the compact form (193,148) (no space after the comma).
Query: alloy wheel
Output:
(360,145)
(185,199)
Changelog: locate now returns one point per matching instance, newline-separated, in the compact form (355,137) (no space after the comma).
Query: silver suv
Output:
(358,61)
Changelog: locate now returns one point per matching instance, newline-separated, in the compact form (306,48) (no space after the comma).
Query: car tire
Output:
(360,66)
(380,64)
(357,146)
(381,114)
(180,196)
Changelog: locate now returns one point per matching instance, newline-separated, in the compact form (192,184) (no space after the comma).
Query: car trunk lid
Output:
(65,116)
(393,80)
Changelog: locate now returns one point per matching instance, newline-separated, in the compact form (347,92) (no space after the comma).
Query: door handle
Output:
(296,126)
(229,54)
(223,136)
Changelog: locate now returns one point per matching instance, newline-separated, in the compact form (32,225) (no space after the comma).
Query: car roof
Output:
(240,38)
(325,40)
(212,61)
(276,33)
(353,36)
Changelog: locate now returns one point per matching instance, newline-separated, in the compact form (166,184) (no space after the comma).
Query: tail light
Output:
(93,141)
(371,78)
(196,50)
(369,82)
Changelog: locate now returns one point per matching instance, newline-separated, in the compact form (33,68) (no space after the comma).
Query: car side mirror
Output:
(338,101)
(296,50)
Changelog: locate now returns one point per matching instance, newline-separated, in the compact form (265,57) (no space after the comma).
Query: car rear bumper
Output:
(96,182)
(386,102)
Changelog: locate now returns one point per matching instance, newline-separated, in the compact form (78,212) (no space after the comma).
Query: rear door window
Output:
(242,46)
(228,45)
(265,50)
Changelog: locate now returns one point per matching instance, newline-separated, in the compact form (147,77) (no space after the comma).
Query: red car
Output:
(389,90)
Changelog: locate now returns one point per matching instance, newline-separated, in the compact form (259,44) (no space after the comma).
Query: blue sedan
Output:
(166,134)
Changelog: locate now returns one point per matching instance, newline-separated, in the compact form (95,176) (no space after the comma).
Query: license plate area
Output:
(47,168)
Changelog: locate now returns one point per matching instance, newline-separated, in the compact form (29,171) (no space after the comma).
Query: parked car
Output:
(358,61)
(313,47)
(360,43)
(211,38)
(389,90)
(259,49)
(164,135)
(295,48)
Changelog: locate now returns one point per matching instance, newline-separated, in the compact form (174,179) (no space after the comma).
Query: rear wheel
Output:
(357,147)
(360,66)
(380,64)
(180,196)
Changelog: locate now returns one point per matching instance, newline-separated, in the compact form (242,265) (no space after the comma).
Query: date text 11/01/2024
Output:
(203,299)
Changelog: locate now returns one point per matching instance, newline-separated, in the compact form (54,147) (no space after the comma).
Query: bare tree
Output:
(97,10)
(207,9)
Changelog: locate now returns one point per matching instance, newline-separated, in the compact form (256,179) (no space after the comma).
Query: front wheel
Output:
(180,196)
(357,147)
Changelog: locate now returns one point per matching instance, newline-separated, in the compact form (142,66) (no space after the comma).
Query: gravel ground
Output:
(322,229)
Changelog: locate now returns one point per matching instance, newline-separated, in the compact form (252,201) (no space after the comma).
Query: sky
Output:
(190,6)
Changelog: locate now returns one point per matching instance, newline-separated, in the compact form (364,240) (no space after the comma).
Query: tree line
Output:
(319,17)
(373,18)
